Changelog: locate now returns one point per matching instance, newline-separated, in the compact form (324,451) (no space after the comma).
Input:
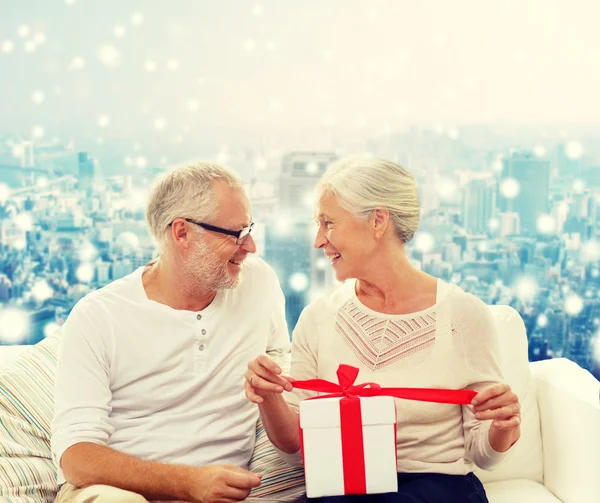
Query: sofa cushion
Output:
(280,481)
(526,458)
(27,472)
(518,491)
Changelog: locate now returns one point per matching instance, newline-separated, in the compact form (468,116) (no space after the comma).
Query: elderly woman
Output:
(400,327)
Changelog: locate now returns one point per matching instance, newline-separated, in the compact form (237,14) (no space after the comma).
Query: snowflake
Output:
(38,97)
(173,65)
(39,38)
(109,55)
(298,282)
(103,120)
(574,150)
(77,63)
(85,273)
(590,251)
(41,290)
(7,46)
(526,288)
(546,224)
(14,325)
(573,304)
(424,242)
(509,188)
(137,19)
(119,31)
(578,186)
(23,31)
(38,132)
(542,320)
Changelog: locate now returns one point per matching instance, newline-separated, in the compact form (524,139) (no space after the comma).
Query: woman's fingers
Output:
(501,413)
(496,402)
(490,392)
(263,370)
(507,424)
(251,395)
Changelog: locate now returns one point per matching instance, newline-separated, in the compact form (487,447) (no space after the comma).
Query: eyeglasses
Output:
(240,236)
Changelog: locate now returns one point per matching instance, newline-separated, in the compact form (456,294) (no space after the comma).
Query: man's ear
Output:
(380,218)
(179,233)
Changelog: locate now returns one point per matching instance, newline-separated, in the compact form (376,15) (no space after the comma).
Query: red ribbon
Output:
(353,454)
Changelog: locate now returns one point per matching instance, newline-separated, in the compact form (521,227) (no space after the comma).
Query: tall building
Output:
(289,234)
(479,205)
(288,251)
(5,287)
(532,175)
(300,172)
(87,171)
(568,166)
(509,224)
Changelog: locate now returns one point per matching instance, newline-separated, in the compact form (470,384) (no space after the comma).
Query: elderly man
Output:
(149,396)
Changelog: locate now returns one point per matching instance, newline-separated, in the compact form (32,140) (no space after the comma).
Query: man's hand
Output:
(221,484)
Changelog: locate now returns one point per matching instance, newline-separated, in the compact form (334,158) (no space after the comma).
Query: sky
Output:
(187,73)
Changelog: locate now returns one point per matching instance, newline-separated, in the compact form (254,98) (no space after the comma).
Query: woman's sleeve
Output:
(481,351)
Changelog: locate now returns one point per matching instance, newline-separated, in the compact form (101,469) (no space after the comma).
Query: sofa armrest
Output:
(569,404)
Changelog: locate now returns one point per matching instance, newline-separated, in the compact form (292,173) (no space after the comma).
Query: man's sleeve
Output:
(279,337)
(82,389)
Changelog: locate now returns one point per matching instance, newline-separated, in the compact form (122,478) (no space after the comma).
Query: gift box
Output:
(349,446)
(348,436)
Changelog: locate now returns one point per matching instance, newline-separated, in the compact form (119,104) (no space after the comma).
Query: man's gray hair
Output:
(365,182)
(186,191)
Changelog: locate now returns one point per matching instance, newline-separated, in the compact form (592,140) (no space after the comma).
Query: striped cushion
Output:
(27,473)
(280,481)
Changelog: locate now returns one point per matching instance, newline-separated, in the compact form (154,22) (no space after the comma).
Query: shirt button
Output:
(198,316)
(203,332)
(201,347)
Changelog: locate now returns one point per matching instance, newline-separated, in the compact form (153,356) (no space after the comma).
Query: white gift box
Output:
(321,430)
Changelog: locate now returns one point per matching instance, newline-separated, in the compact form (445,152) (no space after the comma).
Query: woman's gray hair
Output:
(365,182)
(186,191)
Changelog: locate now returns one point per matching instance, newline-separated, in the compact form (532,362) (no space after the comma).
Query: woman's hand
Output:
(264,379)
(498,403)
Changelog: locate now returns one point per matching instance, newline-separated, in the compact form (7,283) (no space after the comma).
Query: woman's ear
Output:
(381,219)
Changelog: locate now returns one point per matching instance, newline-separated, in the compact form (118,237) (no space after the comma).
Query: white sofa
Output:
(557,458)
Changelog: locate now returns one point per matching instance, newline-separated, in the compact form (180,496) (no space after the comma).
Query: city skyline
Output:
(63,234)
(489,105)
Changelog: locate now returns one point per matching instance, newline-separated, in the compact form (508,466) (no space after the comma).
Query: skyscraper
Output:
(532,177)
(479,205)
(300,172)
(87,171)
(289,234)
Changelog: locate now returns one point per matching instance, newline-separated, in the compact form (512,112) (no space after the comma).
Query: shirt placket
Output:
(200,347)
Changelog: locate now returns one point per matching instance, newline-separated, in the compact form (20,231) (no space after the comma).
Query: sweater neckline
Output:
(443,293)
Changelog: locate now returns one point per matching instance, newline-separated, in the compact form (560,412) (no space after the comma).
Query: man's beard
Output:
(205,272)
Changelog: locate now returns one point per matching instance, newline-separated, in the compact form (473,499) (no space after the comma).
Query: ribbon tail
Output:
(320,385)
(455,396)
